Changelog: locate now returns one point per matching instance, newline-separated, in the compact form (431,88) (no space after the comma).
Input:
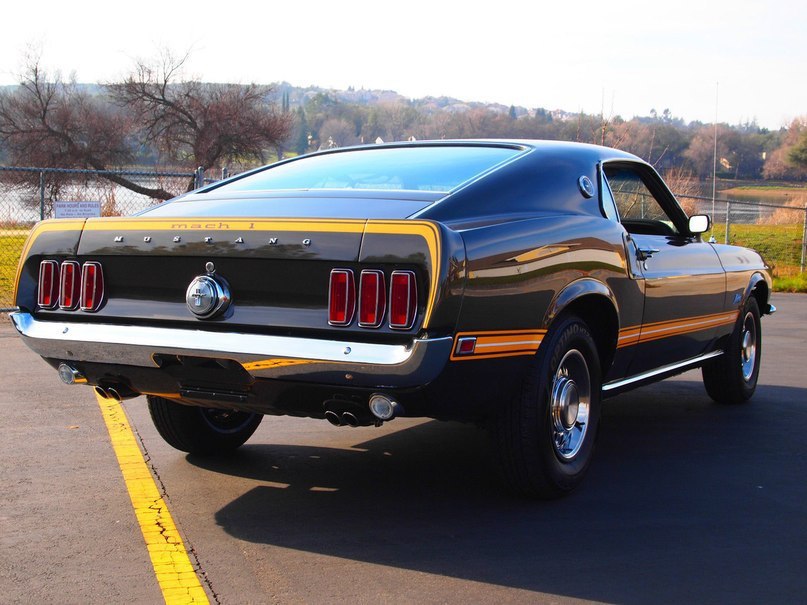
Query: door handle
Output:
(643,253)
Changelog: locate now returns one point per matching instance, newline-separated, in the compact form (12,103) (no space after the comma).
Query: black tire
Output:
(203,431)
(531,433)
(732,377)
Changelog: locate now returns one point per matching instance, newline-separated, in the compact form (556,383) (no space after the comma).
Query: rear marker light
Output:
(372,298)
(341,297)
(466,346)
(92,286)
(48,291)
(402,300)
(70,285)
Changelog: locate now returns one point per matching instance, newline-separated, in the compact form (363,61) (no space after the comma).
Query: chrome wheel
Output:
(748,350)
(570,403)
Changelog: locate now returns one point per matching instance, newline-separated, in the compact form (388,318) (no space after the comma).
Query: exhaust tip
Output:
(350,419)
(108,393)
(117,393)
(70,375)
(113,393)
(383,407)
(333,418)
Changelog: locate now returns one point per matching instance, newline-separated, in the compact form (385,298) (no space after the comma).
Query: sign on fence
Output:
(76,209)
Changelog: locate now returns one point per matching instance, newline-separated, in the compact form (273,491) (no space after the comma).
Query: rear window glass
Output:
(438,168)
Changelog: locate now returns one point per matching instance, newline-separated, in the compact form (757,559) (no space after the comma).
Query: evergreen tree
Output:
(301,140)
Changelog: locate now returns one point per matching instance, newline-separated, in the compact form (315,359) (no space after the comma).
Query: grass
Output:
(792,283)
(10,247)
(779,245)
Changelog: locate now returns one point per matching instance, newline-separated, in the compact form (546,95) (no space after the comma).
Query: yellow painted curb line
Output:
(172,566)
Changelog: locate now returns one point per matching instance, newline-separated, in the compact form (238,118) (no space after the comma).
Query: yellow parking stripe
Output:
(172,566)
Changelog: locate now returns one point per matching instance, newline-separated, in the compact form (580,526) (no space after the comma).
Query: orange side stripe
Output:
(509,343)
(665,329)
(500,343)
(494,340)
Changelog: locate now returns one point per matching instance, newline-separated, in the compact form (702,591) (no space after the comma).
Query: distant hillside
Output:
(325,118)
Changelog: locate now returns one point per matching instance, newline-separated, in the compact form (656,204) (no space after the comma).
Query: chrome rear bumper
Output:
(344,363)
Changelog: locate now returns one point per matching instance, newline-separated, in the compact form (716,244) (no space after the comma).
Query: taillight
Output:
(92,286)
(48,294)
(70,284)
(341,297)
(372,298)
(402,300)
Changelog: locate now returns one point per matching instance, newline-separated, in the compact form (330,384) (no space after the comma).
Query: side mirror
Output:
(699,223)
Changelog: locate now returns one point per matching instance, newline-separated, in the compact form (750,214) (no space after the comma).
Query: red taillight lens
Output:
(341,297)
(372,298)
(402,300)
(48,294)
(92,286)
(70,283)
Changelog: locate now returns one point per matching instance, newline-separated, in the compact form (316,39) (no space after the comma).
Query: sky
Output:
(741,60)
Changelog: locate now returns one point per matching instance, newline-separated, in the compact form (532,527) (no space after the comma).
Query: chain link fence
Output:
(777,231)
(27,195)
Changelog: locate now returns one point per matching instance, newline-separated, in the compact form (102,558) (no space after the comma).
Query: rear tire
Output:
(203,431)
(545,437)
(732,377)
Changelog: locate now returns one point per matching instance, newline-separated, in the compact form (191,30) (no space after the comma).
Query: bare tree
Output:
(55,123)
(339,131)
(196,123)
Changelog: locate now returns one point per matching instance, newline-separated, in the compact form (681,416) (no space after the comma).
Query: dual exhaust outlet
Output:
(118,392)
(380,409)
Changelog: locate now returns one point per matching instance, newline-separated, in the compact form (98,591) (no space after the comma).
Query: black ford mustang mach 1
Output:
(513,283)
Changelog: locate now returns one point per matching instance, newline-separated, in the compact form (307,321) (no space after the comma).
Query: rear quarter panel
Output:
(519,271)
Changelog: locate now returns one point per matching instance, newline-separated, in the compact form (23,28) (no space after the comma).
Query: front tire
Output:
(732,377)
(545,437)
(203,431)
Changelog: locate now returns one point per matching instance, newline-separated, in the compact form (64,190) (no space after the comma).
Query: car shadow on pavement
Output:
(686,501)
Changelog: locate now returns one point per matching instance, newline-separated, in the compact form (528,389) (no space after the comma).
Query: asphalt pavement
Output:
(687,501)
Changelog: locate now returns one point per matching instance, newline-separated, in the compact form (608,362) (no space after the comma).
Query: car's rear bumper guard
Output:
(324,361)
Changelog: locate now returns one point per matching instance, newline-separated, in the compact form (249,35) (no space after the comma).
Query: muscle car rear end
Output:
(510,283)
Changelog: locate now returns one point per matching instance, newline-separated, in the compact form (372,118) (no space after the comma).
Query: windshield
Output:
(425,168)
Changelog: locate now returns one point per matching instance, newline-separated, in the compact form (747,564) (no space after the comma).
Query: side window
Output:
(639,210)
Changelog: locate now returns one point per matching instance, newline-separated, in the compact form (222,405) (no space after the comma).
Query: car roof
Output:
(542,178)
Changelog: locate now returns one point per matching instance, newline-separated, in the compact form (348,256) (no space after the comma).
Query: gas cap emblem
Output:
(207,296)
(586,187)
